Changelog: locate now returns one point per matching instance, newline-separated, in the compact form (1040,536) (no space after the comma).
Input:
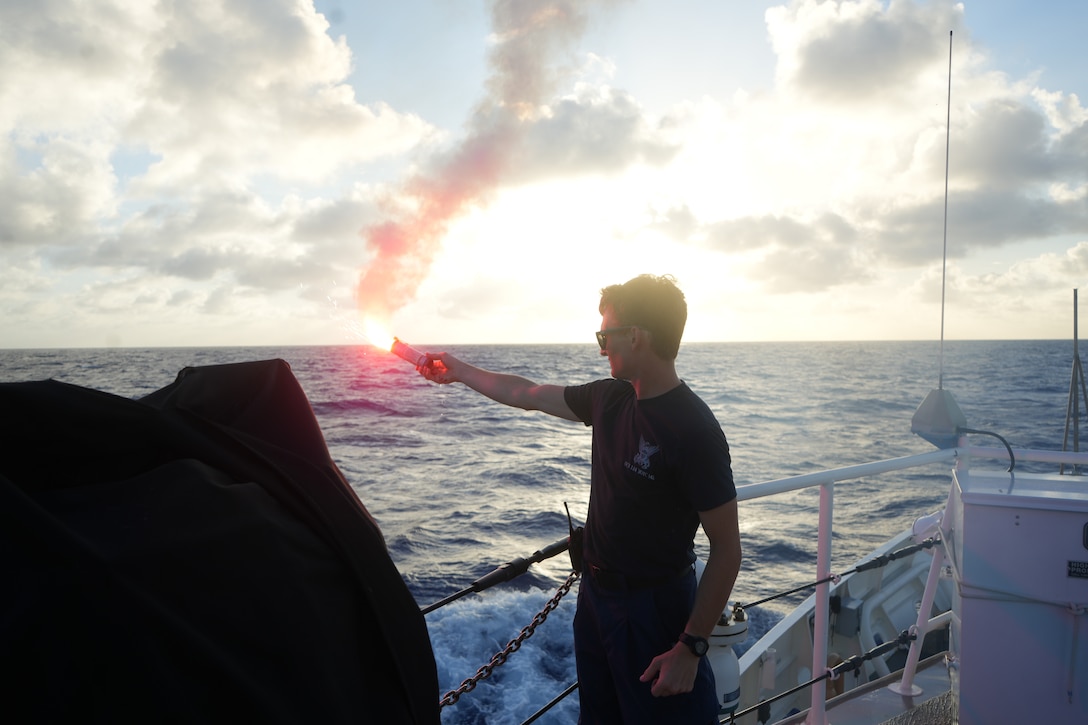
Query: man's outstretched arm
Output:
(512,390)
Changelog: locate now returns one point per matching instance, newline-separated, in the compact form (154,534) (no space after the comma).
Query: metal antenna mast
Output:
(944,254)
(1072,411)
(939,419)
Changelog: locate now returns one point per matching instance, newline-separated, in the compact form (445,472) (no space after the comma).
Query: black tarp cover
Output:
(195,556)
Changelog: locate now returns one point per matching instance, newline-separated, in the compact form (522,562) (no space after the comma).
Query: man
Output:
(660,467)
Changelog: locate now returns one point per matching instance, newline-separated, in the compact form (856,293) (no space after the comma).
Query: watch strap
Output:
(697,645)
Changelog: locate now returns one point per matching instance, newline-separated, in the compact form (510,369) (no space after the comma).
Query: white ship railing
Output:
(826,481)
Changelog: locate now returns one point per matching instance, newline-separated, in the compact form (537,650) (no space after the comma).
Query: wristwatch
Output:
(697,645)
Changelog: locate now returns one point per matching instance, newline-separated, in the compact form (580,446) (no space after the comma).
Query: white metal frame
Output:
(826,481)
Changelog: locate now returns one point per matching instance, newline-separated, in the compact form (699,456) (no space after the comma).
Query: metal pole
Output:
(944,255)
(1073,384)
(905,686)
(1072,410)
(817,713)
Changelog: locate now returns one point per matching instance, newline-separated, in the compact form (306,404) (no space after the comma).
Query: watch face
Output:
(697,645)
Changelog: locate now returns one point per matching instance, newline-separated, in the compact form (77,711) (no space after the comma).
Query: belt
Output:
(617,581)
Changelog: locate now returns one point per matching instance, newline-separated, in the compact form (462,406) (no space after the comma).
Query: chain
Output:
(514,645)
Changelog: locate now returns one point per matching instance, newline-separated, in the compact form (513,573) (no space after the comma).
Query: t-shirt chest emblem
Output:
(645,450)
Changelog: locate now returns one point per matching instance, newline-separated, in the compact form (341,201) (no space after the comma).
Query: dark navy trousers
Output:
(617,632)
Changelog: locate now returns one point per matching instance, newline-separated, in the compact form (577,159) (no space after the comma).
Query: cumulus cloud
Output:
(795,255)
(160,139)
(848,151)
(858,52)
(215,93)
(601,132)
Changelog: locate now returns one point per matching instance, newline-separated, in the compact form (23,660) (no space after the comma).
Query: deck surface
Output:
(875,704)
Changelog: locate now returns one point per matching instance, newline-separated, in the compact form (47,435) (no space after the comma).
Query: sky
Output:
(274,172)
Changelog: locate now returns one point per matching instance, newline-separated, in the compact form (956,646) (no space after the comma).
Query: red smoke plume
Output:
(526,33)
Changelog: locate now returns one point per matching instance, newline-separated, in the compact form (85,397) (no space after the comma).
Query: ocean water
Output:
(461,485)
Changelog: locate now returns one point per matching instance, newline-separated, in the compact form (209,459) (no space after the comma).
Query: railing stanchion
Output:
(817,715)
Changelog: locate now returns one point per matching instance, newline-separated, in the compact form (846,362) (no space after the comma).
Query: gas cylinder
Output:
(732,628)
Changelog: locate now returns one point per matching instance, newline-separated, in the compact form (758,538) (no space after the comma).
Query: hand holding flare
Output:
(406,352)
(379,337)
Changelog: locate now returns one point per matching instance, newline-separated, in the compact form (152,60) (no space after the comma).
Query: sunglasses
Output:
(602,335)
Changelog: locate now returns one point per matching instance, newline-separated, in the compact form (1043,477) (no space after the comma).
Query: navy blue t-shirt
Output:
(656,464)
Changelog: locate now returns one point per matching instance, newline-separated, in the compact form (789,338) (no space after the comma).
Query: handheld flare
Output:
(408,353)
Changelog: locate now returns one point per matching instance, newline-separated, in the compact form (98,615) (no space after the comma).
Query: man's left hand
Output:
(673,672)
